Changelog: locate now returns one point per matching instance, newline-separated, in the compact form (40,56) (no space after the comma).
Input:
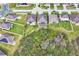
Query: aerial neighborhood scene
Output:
(41,29)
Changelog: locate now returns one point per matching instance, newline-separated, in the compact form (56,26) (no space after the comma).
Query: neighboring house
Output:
(11,17)
(42,20)
(2,53)
(74,18)
(23,4)
(53,18)
(5,25)
(1,15)
(64,17)
(31,19)
(6,38)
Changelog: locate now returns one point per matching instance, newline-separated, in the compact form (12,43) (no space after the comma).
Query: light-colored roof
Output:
(6,38)
(5,25)
(31,18)
(53,18)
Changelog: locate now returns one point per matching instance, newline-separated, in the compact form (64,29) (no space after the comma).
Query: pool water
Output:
(4,40)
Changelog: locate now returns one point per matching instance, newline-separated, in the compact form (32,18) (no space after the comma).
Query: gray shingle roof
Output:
(11,17)
(31,18)
(53,18)
(42,19)
(5,25)
(74,18)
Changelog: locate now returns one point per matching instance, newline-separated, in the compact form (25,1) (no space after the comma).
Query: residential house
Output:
(5,25)
(42,20)
(6,38)
(31,19)
(64,17)
(53,18)
(23,4)
(11,17)
(74,18)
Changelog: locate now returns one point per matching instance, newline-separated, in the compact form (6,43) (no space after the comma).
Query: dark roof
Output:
(23,3)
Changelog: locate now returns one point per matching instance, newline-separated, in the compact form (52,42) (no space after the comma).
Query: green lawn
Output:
(26,7)
(65,24)
(29,29)
(60,7)
(54,25)
(74,12)
(22,20)
(17,29)
(71,7)
(43,6)
(51,6)
(6,48)
(13,6)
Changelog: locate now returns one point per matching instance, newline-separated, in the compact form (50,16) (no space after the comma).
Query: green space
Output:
(54,12)
(18,29)
(60,6)
(22,20)
(26,7)
(6,48)
(71,7)
(65,24)
(51,6)
(74,12)
(14,6)
(31,44)
(43,6)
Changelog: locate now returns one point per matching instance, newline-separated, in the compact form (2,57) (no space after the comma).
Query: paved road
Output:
(40,10)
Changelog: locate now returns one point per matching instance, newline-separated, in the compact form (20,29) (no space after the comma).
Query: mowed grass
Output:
(65,24)
(18,29)
(30,29)
(22,19)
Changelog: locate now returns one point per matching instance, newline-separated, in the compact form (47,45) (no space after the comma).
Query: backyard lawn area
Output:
(60,7)
(71,7)
(18,29)
(65,24)
(22,20)
(30,29)
(51,6)
(12,5)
